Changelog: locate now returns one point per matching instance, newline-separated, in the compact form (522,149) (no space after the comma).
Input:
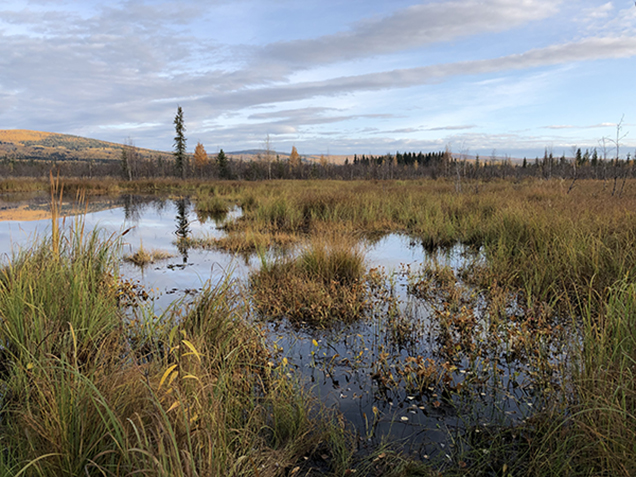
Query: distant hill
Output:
(23,144)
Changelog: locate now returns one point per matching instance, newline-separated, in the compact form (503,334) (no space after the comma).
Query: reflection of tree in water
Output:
(218,216)
(183,227)
(134,206)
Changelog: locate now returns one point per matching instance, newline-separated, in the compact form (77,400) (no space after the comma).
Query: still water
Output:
(361,370)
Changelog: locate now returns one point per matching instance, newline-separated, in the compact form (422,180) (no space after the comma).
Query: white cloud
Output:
(585,50)
(415,26)
(601,11)
(593,126)
(607,19)
(452,128)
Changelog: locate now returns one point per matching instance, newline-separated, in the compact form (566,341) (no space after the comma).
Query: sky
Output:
(490,77)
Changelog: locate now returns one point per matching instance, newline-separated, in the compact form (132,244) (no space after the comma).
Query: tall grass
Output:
(605,418)
(59,298)
(84,394)
(535,235)
(324,284)
(88,391)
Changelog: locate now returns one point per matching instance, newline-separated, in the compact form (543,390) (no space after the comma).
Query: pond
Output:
(433,359)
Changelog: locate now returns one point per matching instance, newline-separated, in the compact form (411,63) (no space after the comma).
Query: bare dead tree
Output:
(617,144)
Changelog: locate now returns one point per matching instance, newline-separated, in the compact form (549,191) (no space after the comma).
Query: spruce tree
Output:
(180,144)
(222,162)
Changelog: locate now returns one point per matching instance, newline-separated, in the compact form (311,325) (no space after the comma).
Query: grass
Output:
(535,235)
(211,207)
(87,390)
(246,243)
(143,257)
(324,284)
(561,256)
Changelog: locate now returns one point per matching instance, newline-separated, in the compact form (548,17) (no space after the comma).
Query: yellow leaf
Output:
(191,376)
(175,405)
(314,342)
(172,377)
(30,366)
(285,361)
(166,374)
(192,348)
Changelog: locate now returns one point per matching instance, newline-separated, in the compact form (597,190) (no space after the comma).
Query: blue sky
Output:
(493,77)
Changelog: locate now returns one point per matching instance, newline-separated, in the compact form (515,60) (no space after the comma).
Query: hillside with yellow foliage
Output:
(21,144)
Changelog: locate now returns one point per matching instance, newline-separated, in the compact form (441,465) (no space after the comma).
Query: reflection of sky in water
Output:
(339,369)
(152,224)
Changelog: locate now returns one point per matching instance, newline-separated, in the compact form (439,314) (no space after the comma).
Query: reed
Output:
(89,391)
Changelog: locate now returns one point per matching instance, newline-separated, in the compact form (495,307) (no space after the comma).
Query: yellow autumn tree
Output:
(294,158)
(200,157)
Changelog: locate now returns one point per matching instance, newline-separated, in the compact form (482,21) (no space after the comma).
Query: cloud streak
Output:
(584,50)
(413,27)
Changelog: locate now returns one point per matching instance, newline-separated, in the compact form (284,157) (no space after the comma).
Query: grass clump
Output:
(322,285)
(143,257)
(245,243)
(212,207)
(89,391)
(58,297)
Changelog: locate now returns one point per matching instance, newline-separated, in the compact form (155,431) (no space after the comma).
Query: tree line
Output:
(602,164)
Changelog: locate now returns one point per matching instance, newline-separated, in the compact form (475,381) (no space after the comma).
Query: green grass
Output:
(88,391)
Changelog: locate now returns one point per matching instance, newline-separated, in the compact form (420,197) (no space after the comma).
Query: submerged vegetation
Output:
(525,355)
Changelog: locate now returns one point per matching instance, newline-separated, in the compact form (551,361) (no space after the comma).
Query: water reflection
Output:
(135,206)
(183,227)
(218,216)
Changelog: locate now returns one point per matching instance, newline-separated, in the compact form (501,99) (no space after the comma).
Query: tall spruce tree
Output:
(180,144)
(223,165)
